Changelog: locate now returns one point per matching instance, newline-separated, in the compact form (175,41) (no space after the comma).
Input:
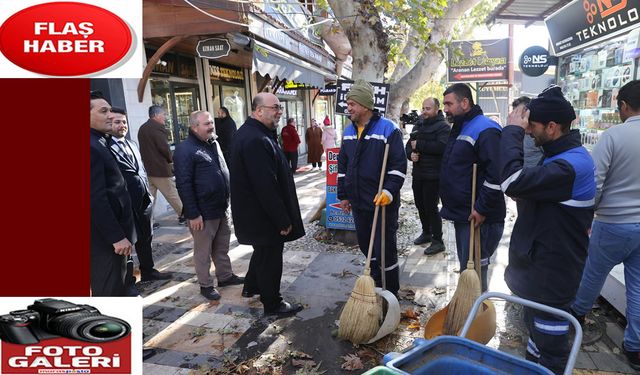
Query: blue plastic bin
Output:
(457,355)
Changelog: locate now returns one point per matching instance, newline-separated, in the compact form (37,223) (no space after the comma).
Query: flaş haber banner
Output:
(72,335)
(62,39)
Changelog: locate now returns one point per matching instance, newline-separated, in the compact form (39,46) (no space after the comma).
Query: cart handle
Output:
(575,348)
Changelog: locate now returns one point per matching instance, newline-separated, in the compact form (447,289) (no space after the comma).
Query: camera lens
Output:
(106,330)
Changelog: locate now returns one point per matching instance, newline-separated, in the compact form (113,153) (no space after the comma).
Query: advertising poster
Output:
(478,60)
(336,218)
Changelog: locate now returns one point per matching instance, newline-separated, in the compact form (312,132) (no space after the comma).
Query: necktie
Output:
(124,150)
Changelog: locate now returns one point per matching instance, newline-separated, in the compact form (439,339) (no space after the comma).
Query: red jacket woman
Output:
(290,142)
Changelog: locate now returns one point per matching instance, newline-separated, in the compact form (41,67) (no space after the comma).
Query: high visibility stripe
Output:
(577,203)
(484,261)
(376,136)
(391,267)
(533,349)
(397,173)
(551,327)
(508,181)
(348,137)
(340,175)
(466,138)
(491,186)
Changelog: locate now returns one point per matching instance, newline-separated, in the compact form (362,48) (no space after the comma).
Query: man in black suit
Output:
(128,158)
(112,225)
(264,203)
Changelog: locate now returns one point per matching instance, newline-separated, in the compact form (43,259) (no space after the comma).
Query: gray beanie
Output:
(362,93)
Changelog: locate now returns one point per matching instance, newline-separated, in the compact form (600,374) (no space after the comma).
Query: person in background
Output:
(328,135)
(359,167)
(615,236)
(549,241)
(202,179)
(264,203)
(290,142)
(112,223)
(157,159)
(326,121)
(129,161)
(225,130)
(313,136)
(424,148)
(474,138)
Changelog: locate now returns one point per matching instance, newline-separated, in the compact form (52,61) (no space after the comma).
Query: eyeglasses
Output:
(275,107)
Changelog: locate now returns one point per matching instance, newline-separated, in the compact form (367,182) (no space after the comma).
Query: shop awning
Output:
(275,63)
(524,11)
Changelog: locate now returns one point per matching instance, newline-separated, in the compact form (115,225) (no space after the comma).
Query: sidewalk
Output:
(194,336)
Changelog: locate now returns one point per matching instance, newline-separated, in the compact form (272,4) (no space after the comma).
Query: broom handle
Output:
(383,254)
(472,225)
(477,254)
(372,237)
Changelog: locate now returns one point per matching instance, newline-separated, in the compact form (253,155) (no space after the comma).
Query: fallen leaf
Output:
(414,325)
(352,362)
(410,314)
(300,355)
(302,363)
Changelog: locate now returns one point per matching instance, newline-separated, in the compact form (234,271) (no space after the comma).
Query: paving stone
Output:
(584,361)
(150,368)
(151,327)
(163,313)
(611,362)
(615,334)
(175,358)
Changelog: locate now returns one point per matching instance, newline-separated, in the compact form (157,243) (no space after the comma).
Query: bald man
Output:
(264,203)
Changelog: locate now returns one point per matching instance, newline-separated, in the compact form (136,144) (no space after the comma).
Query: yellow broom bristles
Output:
(467,291)
(360,317)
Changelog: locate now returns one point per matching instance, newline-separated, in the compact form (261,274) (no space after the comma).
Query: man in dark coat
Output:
(225,130)
(202,178)
(264,203)
(424,148)
(548,246)
(112,225)
(129,161)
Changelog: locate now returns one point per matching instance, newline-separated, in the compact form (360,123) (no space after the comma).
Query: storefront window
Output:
(234,99)
(590,80)
(179,99)
(321,109)
(228,91)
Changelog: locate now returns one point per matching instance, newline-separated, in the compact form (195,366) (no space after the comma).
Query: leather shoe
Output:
(437,246)
(233,280)
(422,239)
(284,309)
(156,275)
(248,293)
(210,293)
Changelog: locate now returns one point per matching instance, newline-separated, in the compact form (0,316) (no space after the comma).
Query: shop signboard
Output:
(586,22)
(380,96)
(535,61)
(213,48)
(336,218)
(478,60)
(328,90)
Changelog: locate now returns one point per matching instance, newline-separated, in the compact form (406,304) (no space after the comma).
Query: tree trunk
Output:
(368,40)
(425,68)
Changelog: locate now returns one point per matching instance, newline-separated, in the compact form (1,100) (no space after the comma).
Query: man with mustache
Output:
(202,179)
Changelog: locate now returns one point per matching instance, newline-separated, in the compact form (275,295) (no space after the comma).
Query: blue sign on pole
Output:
(336,218)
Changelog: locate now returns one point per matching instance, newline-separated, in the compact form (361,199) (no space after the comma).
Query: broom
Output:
(360,317)
(468,289)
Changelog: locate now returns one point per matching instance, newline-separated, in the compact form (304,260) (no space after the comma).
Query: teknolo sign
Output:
(586,22)
(478,60)
(213,48)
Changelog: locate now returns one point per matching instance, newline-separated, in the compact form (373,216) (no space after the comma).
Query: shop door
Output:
(295,109)
(186,100)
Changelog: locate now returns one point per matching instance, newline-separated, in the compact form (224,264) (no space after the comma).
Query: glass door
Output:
(186,101)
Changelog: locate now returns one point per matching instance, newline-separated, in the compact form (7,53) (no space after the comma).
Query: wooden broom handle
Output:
(372,237)
(472,225)
(383,254)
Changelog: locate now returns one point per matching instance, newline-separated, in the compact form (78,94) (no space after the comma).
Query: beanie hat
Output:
(362,93)
(551,105)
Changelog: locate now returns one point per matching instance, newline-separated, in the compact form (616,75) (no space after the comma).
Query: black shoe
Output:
(210,293)
(437,246)
(632,357)
(422,239)
(156,275)
(182,220)
(156,225)
(233,280)
(579,318)
(285,309)
(248,293)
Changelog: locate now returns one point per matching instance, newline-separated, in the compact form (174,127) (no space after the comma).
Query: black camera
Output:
(410,118)
(50,318)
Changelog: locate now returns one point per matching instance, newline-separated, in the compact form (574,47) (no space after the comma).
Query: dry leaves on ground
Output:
(410,314)
(352,362)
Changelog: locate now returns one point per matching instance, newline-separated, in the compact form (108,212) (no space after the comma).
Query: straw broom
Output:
(360,317)
(468,289)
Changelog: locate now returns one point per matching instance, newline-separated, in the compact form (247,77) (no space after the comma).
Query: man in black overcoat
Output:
(112,225)
(264,202)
